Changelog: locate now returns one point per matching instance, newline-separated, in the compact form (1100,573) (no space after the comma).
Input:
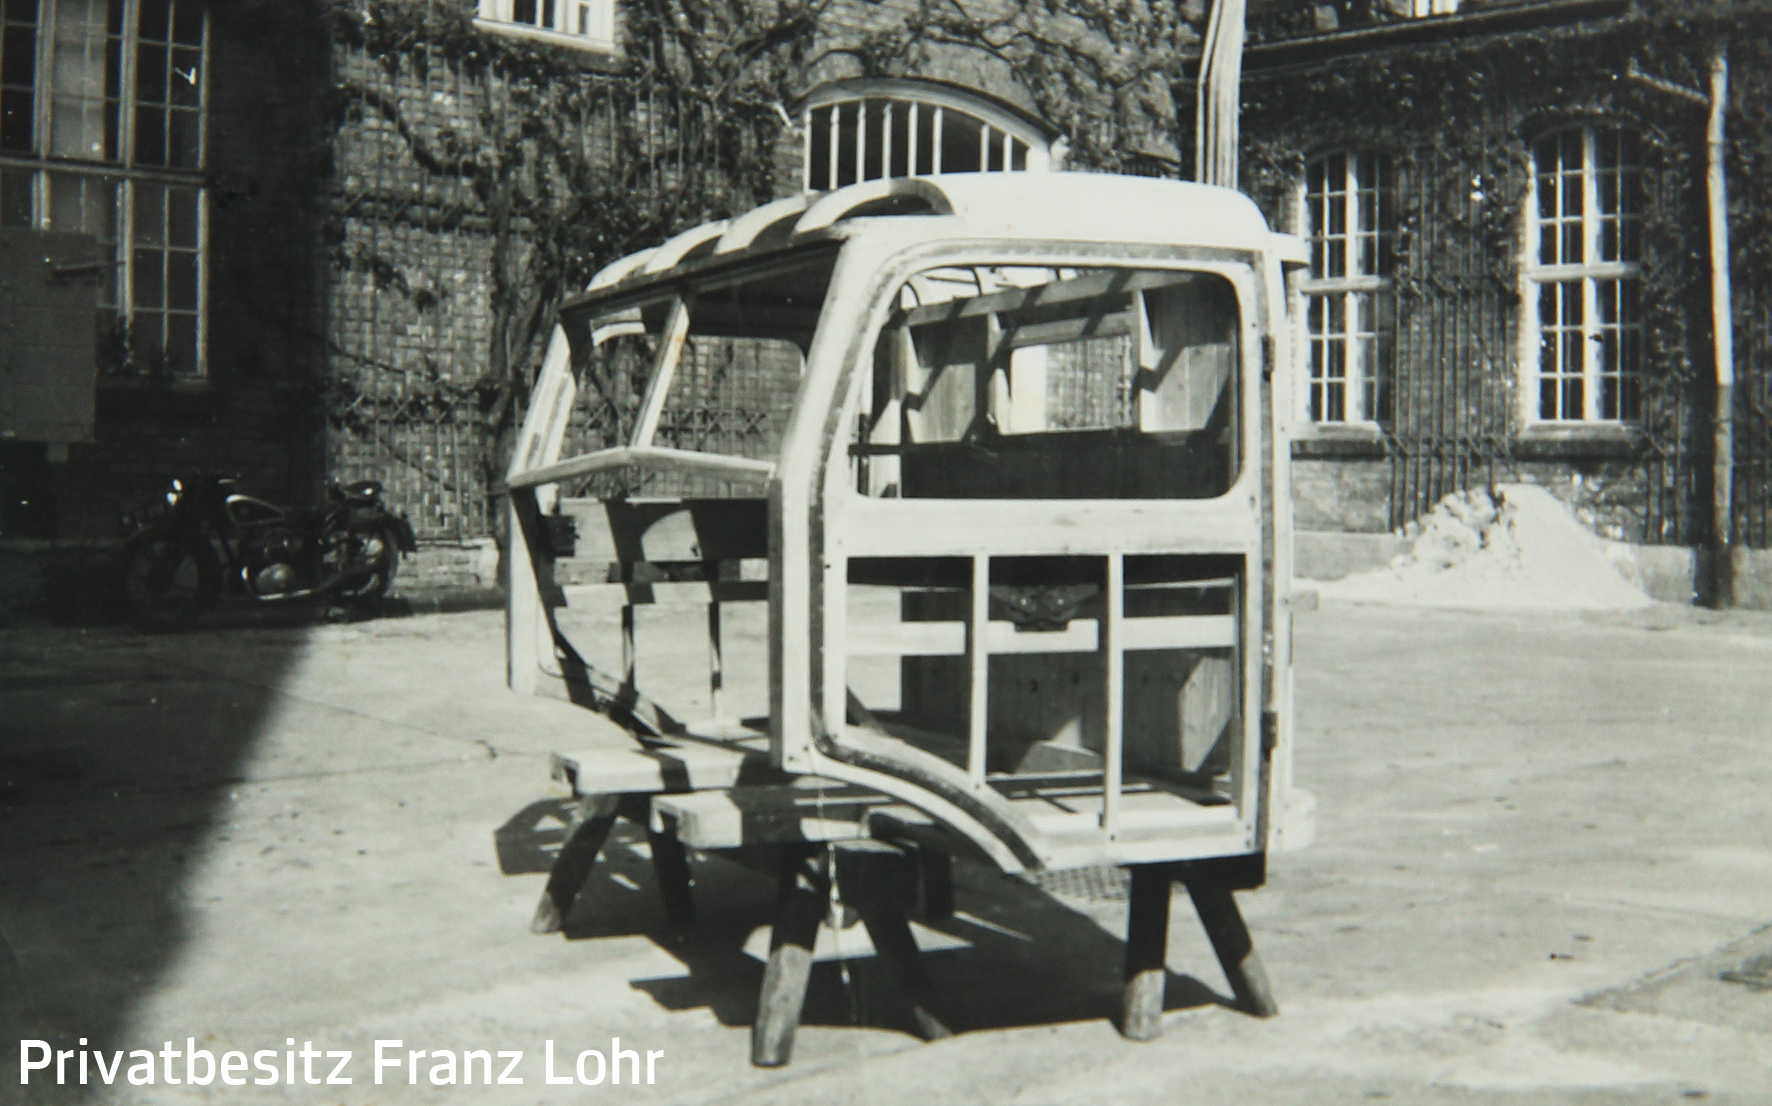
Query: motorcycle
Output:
(205,535)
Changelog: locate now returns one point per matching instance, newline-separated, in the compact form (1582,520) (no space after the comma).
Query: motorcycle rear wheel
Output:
(375,552)
(169,579)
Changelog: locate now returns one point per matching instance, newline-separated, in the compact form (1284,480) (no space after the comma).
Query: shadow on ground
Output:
(117,758)
(1020,958)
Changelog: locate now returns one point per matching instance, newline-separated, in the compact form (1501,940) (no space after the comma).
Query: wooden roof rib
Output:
(1091,207)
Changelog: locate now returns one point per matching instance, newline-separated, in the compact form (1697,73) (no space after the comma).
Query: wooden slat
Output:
(727,819)
(945,528)
(655,769)
(907,639)
(743,470)
(667,594)
(1180,631)
(1080,288)
(670,351)
(1082,635)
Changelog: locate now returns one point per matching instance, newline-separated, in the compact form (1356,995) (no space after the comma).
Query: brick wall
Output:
(255,413)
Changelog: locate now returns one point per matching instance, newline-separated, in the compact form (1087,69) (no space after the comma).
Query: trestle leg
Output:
(937,871)
(589,827)
(802,895)
(1147,950)
(670,866)
(1218,913)
(879,880)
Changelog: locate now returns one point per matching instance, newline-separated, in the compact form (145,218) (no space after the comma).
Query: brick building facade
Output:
(1507,204)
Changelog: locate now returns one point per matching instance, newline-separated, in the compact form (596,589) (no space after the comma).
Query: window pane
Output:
(150,214)
(187,75)
(18,55)
(16,118)
(181,343)
(15,198)
(848,116)
(147,339)
(181,281)
(960,143)
(182,139)
(150,73)
(187,23)
(156,19)
(181,217)
(148,279)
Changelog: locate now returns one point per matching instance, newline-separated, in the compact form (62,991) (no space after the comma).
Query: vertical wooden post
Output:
(978,658)
(1722,582)
(1147,949)
(630,657)
(670,867)
(716,661)
(800,901)
(836,130)
(1219,98)
(1114,736)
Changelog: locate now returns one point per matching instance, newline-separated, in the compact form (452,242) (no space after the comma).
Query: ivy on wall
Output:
(561,161)
(1457,118)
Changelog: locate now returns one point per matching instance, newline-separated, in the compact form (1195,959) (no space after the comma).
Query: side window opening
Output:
(1054,383)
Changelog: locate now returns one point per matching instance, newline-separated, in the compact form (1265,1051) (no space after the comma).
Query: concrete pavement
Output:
(1540,840)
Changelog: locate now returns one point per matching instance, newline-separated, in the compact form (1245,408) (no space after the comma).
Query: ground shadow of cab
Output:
(993,960)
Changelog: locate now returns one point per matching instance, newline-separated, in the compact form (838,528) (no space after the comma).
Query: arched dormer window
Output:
(1584,252)
(869,129)
(1350,220)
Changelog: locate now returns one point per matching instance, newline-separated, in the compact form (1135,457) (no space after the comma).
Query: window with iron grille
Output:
(1350,221)
(1584,276)
(585,23)
(101,133)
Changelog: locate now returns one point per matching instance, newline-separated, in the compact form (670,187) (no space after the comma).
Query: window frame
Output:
(1589,275)
(1370,386)
(125,176)
(499,17)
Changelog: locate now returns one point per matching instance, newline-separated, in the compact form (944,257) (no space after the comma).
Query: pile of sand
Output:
(1521,550)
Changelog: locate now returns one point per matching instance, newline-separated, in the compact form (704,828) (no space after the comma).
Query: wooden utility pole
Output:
(1220,97)
(1722,575)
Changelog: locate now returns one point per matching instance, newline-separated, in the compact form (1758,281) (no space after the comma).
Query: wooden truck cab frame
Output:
(1135,566)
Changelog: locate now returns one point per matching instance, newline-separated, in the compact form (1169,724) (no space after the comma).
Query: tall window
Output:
(1349,212)
(571,22)
(101,133)
(1585,275)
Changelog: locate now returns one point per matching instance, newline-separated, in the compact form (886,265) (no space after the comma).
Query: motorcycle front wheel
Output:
(169,579)
(373,558)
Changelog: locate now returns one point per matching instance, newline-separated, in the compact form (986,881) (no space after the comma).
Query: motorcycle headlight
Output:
(178,485)
(172,496)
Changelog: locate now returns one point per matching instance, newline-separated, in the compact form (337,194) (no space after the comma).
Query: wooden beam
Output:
(1087,287)
(670,351)
(1114,694)
(1722,583)
(1217,907)
(801,897)
(592,818)
(744,470)
(979,657)
(1147,951)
